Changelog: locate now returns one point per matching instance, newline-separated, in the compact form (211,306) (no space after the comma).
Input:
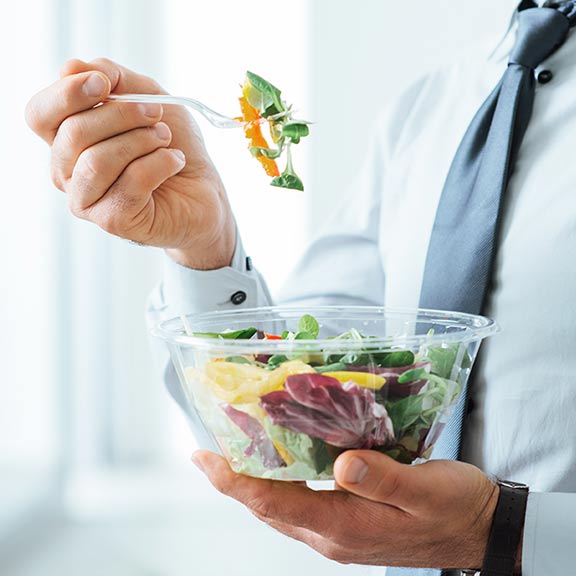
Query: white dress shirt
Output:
(372,251)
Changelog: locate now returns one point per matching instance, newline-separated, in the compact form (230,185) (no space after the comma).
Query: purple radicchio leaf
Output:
(260,441)
(345,416)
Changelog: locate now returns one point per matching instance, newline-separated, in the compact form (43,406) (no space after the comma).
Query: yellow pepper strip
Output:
(283,451)
(253,131)
(243,383)
(362,379)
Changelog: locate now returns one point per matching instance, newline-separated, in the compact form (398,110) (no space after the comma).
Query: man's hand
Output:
(139,171)
(435,515)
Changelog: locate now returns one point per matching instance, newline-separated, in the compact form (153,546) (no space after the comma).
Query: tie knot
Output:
(540,32)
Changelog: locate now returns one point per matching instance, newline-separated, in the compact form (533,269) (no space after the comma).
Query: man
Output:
(142,173)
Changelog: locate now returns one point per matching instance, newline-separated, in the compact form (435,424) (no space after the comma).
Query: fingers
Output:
(82,85)
(101,165)
(48,109)
(127,209)
(272,501)
(79,132)
(122,79)
(308,537)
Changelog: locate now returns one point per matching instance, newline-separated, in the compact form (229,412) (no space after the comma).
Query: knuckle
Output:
(75,209)
(124,204)
(32,116)
(151,84)
(386,486)
(70,132)
(103,62)
(124,151)
(75,205)
(109,221)
(262,507)
(39,120)
(137,175)
(89,165)
(70,67)
(56,178)
(66,94)
(75,195)
(109,68)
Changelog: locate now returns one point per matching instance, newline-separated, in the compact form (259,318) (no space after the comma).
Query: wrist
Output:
(209,253)
(481,529)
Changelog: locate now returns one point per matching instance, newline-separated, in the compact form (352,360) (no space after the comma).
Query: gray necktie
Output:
(463,241)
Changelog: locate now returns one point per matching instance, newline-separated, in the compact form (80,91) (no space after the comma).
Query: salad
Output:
(289,416)
(261,104)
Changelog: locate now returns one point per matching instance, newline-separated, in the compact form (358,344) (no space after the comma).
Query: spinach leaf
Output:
(320,455)
(396,359)
(243,334)
(309,324)
(304,336)
(238,360)
(356,359)
(275,361)
(405,412)
(413,374)
(267,152)
(286,180)
(442,359)
(268,91)
(335,367)
(295,131)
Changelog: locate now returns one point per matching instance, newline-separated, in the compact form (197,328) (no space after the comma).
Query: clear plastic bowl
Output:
(372,378)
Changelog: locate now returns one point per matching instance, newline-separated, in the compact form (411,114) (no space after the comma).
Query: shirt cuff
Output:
(187,291)
(549,544)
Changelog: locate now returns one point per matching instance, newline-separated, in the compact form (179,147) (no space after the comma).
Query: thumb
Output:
(377,477)
(122,80)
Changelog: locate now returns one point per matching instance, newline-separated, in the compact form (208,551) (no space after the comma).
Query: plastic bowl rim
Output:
(486,327)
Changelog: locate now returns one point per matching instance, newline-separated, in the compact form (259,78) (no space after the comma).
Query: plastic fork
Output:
(216,119)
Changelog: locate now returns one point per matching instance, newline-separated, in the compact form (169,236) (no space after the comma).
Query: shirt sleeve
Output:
(549,545)
(185,291)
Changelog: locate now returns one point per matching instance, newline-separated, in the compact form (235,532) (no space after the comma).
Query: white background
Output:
(94,469)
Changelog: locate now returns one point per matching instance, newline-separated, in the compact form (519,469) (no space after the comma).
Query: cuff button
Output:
(238,297)
(545,76)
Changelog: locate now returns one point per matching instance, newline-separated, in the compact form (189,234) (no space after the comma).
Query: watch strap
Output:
(506,530)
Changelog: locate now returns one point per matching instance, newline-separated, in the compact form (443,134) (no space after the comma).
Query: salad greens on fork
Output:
(260,104)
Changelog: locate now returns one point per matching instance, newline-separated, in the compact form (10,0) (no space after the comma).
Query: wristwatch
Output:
(506,530)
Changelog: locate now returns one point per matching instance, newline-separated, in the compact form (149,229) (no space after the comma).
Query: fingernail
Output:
(95,86)
(162,131)
(355,471)
(151,110)
(179,155)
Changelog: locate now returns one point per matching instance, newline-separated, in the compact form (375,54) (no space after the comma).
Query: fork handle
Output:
(216,119)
